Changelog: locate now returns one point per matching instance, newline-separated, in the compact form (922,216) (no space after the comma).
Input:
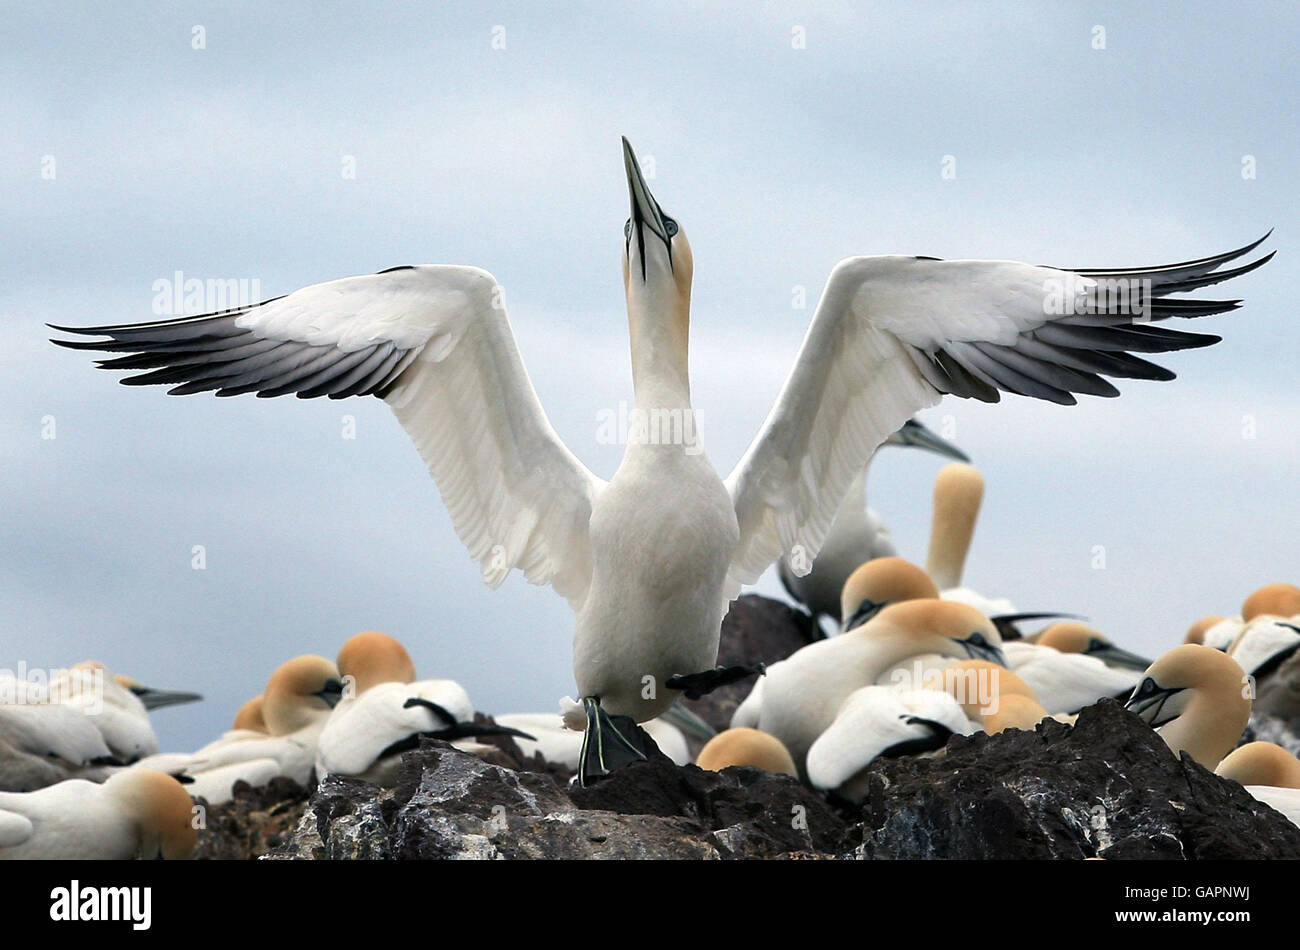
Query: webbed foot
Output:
(695,685)
(609,742)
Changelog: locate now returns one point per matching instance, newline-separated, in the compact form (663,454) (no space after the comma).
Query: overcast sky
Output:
(129,154)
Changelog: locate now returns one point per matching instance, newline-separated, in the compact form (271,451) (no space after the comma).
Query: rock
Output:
(253,822)
(1108,787)
(755,630)
(448,804)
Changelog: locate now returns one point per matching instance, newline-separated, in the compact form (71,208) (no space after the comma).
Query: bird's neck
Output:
(1209,727)
(659,326)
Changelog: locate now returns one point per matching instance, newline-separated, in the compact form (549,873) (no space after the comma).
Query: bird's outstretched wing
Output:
(891,335)
(434,343)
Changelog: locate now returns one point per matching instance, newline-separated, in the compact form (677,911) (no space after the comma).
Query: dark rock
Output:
(448,804)
(1107,787)
(253,822)
(755,630)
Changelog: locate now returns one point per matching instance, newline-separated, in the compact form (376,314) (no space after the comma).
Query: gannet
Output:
(1067,682)
(650,560)
(1198,699)
(1263,644)
(877,584)
(43,743)
(117,705)
(1196,632)
(296,703)
(856,535)
(980,688)
(1261,763)
(384,712)
(1015,712)
(801,695)
(1219,636)
(877,721)
(1071,636)
(746,747)
(135,813)
(1269,772)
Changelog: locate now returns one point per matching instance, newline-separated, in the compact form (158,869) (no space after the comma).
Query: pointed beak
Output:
(158,698)
(331,693)
(645,210)
(1148,701)
(918,436)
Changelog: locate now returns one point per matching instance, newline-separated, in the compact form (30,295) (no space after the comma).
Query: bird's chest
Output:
(665,525)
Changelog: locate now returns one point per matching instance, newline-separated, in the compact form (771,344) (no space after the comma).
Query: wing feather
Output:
(435,344)
(891,335)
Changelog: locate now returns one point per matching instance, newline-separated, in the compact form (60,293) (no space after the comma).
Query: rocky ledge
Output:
(1107,787)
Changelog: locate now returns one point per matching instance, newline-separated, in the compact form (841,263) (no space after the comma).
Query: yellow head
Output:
(300,693)
(878,583)
(744,746)
(372,657)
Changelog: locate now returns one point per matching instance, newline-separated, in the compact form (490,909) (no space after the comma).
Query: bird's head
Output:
(657,263)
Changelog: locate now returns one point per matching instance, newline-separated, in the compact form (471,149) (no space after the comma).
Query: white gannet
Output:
(1263,644)
(296,704)
(801,695)
(1198,699)
(856,535)
(1071,636)
(650,560)
(746,747)
(1067,682)
(385,711)
(43,743)
(135,813)
(117,705)
(877,721)
(877,584)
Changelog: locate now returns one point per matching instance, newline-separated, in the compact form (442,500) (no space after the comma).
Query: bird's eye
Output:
(627,229)
(670,226)
(976,639)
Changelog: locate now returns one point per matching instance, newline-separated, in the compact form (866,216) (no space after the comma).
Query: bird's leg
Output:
(695,685)
(609,742)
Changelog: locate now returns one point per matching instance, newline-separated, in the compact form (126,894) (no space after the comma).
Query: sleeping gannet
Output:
(877,584)
(650,560)
(801,695)
(857,534)
(385,712)
(746,747)
(1198,699)
(1067,682)
(880,721)
(1071,636)
(135,813)
(296,703)
(44,743)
